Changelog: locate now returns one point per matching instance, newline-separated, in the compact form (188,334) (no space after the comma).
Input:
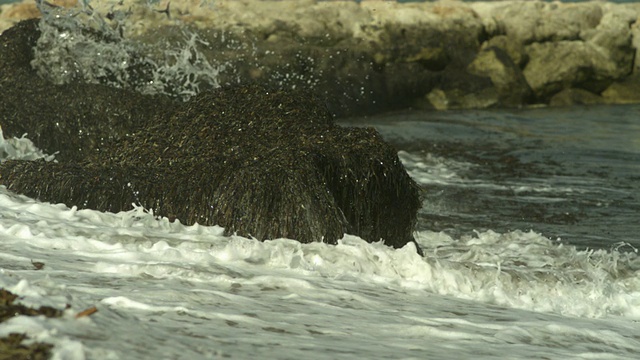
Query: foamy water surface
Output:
(167,290)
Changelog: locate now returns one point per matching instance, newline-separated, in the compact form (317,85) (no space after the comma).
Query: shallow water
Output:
(569,173)
(498,279)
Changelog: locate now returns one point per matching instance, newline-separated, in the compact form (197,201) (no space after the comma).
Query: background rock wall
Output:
(372,56)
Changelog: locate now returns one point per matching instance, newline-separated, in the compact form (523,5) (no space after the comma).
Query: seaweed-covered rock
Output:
(70,118)
(12,347)
(260,163)
(9,309)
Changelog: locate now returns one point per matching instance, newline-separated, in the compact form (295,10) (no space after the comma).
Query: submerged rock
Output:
(260,163)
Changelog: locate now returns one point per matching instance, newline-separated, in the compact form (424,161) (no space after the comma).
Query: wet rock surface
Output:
(259,162)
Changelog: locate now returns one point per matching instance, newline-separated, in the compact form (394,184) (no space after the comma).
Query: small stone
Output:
(569,97)
(505,75)
(626,91)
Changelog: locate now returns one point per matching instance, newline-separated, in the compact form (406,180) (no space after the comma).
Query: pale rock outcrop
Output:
(585,45)
(554,66)
(527,22)
(507,78)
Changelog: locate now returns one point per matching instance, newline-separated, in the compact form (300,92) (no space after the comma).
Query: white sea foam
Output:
(281,290)
(431,169)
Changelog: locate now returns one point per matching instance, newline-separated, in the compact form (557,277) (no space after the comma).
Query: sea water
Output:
(165,290)
(529,229)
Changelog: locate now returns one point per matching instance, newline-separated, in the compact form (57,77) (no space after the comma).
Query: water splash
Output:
(87,45)
(20,149)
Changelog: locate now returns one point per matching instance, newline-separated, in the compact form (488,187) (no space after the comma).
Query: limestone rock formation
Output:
(568,97)
(591,55)
(558,65)
(259,162)
(529,22)
(372,56)
(505,75)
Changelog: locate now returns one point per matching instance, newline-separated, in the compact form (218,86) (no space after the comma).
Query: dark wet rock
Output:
(457,99)
(386,56)
(462,90)
(259,162)
(354,76)
(514,49)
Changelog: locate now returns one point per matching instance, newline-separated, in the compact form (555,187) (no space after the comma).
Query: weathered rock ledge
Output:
(373,56)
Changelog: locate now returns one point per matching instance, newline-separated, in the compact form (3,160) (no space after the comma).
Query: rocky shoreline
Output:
(372,56)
